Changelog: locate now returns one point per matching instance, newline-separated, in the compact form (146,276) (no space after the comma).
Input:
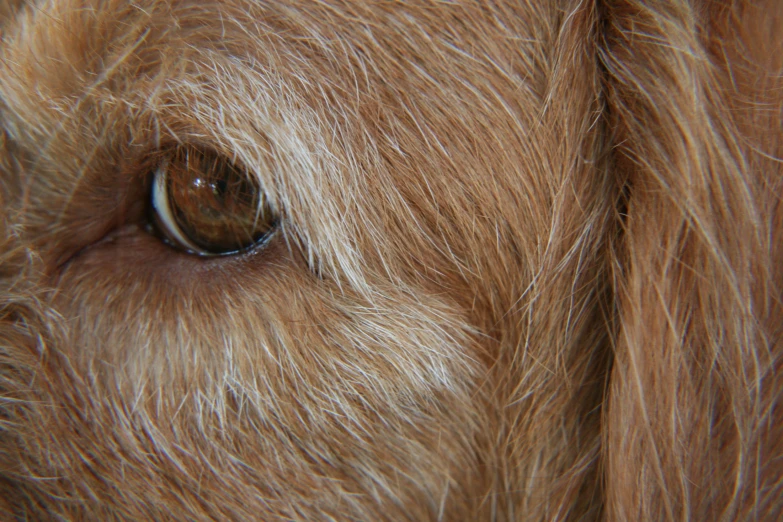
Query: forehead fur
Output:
(329,114)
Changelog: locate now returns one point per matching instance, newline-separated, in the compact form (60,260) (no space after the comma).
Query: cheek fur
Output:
(256,352)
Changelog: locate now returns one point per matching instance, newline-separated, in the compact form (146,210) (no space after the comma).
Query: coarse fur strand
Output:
(528,264)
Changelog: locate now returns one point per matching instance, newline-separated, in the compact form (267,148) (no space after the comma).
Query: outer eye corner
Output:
(205,205)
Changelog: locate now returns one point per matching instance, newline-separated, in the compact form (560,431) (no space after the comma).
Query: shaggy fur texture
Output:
(529,262)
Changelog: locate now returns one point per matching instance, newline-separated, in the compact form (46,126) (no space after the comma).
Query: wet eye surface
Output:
(206,205)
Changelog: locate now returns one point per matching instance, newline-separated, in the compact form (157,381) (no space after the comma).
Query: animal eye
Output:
(206,205)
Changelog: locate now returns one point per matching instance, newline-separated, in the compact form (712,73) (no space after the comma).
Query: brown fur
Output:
(528,267)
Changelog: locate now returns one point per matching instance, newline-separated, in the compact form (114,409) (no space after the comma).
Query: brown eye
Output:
(206,205)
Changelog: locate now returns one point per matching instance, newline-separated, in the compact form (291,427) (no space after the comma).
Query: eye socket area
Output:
(206,205)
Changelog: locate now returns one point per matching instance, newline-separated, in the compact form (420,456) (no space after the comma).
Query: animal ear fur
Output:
(694,93)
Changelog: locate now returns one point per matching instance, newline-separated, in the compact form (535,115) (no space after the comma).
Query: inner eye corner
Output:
(203,203)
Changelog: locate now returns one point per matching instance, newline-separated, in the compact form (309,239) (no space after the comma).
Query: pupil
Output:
(220,187)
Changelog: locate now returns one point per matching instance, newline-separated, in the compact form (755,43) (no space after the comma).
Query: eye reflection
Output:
(206,205)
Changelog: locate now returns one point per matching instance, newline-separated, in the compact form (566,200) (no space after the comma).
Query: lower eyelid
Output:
(131,251)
